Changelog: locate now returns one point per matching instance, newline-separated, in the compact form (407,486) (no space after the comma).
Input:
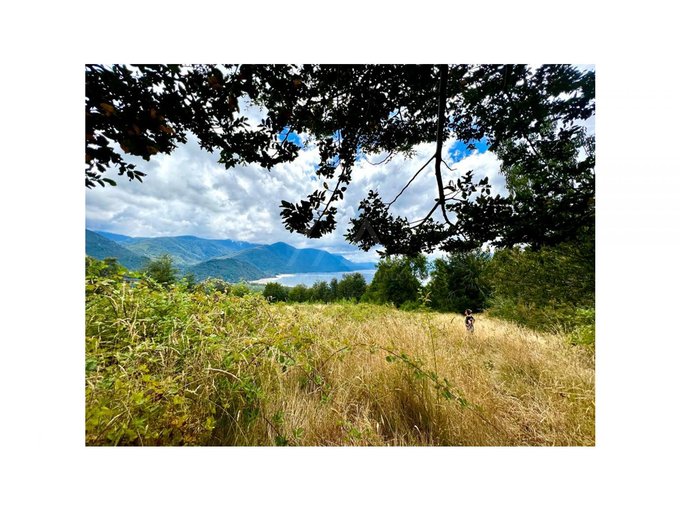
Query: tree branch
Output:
(330,200)
(417,223)
(409,182)
(444,73)
(381,162)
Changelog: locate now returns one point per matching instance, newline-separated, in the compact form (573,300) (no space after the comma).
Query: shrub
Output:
(275,292)
(411,306)
(239,289)
(584,329)
(544,288)
(320,292)
(299,294)
(107,268)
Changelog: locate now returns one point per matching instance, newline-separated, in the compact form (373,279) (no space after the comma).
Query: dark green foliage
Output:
(544,288)
(150,109)
(190,281)
(411,306)
(458,282)
(162,270)
(275,292)
(351,288)
(548,158)
(397,280)
(333,285)
(531,117)
(239,289)
(100,247)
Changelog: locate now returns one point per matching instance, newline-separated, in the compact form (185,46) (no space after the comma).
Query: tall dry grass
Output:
(510,386)
(181,368)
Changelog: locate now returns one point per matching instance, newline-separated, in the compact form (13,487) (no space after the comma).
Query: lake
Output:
(308,279)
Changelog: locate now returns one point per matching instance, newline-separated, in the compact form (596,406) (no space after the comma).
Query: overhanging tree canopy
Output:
(531,118)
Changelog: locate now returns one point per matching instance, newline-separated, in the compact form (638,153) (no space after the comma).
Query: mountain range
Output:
(101,247)
(222,258)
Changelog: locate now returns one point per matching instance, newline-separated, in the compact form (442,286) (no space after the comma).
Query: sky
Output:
(636,266)
(189,193)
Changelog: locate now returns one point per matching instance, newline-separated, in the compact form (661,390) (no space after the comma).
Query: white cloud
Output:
(190,193)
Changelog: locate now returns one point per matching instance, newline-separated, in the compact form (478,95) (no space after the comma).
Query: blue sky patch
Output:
(294,138)
(459,150)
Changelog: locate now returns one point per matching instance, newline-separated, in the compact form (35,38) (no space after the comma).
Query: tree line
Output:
(540,288)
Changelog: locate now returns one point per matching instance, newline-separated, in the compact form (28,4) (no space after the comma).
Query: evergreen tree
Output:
(162,270)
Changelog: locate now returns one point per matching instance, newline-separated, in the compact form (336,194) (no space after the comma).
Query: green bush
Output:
(107,268)
(299,294)
(543,289)
(162,363)
(584,329)
(320,292)
(412,306)
(239,289)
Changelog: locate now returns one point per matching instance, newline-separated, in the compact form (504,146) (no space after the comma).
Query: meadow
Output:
(172,366)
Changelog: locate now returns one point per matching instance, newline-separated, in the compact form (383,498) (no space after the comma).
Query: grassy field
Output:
(171,367)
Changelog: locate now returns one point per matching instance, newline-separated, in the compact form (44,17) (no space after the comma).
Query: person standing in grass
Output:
(469,321)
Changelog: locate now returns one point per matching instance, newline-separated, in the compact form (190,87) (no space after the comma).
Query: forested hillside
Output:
(185,250)
(219,258)
(228,269)
(283,258)
(100,247)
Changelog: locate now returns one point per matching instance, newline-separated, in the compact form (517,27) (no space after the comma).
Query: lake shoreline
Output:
(293,279)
